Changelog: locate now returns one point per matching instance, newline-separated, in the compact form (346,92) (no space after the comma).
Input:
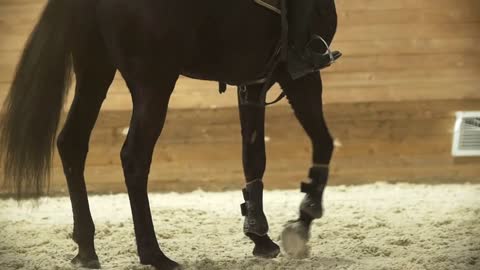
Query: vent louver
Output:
(466,135)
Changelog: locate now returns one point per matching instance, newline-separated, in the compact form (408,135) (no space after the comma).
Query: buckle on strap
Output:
(311,188)
(308,188)
(243,209)
(266,82)
(244,100)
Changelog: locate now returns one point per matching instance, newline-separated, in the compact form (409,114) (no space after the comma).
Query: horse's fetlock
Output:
(84,236)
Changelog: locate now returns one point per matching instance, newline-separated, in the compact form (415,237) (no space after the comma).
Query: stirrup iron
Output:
(332,55)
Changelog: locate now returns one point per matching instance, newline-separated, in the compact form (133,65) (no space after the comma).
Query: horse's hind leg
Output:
(305,96)
(94,74)
(252,119)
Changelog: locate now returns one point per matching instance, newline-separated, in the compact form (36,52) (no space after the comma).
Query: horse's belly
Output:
(229,41)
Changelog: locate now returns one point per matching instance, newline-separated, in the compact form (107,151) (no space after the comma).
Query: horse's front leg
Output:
(305,97)
(252,120)
(150,103)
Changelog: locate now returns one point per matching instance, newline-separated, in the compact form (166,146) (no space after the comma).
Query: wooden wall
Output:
(380,141)
(394,50)
(408,65)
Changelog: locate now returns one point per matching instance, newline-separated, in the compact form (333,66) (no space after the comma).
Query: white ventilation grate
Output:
(466,135)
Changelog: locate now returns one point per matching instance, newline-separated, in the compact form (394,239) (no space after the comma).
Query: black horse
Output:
(152,43)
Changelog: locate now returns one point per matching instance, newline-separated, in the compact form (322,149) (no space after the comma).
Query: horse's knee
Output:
(128,162)
(72,152)
(135,171)
(326,142)
(126,158)
(62,144)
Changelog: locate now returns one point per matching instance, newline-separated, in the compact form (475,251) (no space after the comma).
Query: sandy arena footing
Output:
(378,226)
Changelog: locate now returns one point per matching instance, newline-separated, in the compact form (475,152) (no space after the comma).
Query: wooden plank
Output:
(348,63)
(15,38)
(402,4)
(348,132)
(341,4)
(119,99)
(385,78)
(374,46)
(408,15)
(188,97)
(420,91)
(22,21)
(353,63)
(409,78)
(352,153)
(408,31)
(374,111)
(405,77)
(415,46)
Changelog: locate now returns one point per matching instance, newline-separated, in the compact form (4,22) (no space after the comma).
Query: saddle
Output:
(278,55)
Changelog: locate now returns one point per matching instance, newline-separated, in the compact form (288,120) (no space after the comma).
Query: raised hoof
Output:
(162,263)
(295,237)
(86,262)
(264,246)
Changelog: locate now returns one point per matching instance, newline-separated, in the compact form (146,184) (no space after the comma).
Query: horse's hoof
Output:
(162,263)
(295,237)
(264,246)
(268,250)
(86,262)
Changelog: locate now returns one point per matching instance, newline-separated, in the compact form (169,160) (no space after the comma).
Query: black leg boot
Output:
(312,202)
(302,60)
(256,225)
(255,220)
(296,233)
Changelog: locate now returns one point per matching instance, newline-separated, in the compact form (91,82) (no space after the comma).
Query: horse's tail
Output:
(31,112)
